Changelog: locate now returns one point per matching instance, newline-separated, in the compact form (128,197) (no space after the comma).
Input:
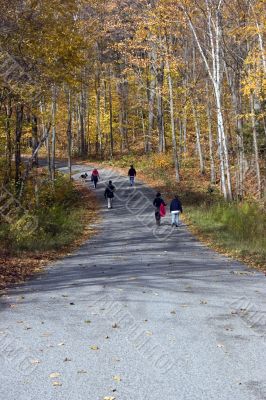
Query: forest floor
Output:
(137,312)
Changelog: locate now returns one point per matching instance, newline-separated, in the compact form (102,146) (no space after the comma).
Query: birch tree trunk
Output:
(46,133)
(211,153)
(255,143)
(215,73)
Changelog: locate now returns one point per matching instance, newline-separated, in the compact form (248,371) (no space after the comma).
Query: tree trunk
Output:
(53,133)
(8,140)
(111,141)
(69,135)
(160,109)
(172,117)
(98,144)
(255,144)
(19,121)
(122,89)
(82,113)
(198,134)
(47,141)
(211,153)
(151,84)
(35,140)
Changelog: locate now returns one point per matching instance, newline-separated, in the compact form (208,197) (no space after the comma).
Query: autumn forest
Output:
(97,78)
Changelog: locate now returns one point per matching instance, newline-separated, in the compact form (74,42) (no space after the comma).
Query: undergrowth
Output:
(52,220)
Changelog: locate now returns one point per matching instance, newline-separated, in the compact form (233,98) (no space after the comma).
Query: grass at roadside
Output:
(235,229)
(238,229)
(63,214)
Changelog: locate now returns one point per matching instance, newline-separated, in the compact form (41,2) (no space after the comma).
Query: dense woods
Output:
(107,78)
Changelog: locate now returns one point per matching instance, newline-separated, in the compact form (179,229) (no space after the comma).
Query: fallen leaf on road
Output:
(35,361)
(54,375)
(57,384)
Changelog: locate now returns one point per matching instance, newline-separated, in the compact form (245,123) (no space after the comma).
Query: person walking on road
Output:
(95,177)
(159,205)
(175,210)
(109,194)
(132,174)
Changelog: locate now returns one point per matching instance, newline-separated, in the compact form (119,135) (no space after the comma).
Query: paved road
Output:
(135,314)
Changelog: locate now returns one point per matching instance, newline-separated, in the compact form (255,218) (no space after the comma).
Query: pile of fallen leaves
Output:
(17,268)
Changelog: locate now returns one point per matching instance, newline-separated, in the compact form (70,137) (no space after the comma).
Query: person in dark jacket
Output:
(109,194)
(132,174)
(157,204)
(175,210)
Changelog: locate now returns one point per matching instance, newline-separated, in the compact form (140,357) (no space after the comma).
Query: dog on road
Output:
(84,176)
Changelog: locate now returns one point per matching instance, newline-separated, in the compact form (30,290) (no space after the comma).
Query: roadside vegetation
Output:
(45,226)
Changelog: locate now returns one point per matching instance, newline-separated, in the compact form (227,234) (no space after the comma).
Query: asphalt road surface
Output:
(136,313)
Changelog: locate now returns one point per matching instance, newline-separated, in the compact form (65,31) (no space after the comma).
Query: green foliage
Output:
(236,227)
(58,219)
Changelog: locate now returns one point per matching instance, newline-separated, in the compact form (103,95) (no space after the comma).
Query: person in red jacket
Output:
(158,201)
(95,177)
